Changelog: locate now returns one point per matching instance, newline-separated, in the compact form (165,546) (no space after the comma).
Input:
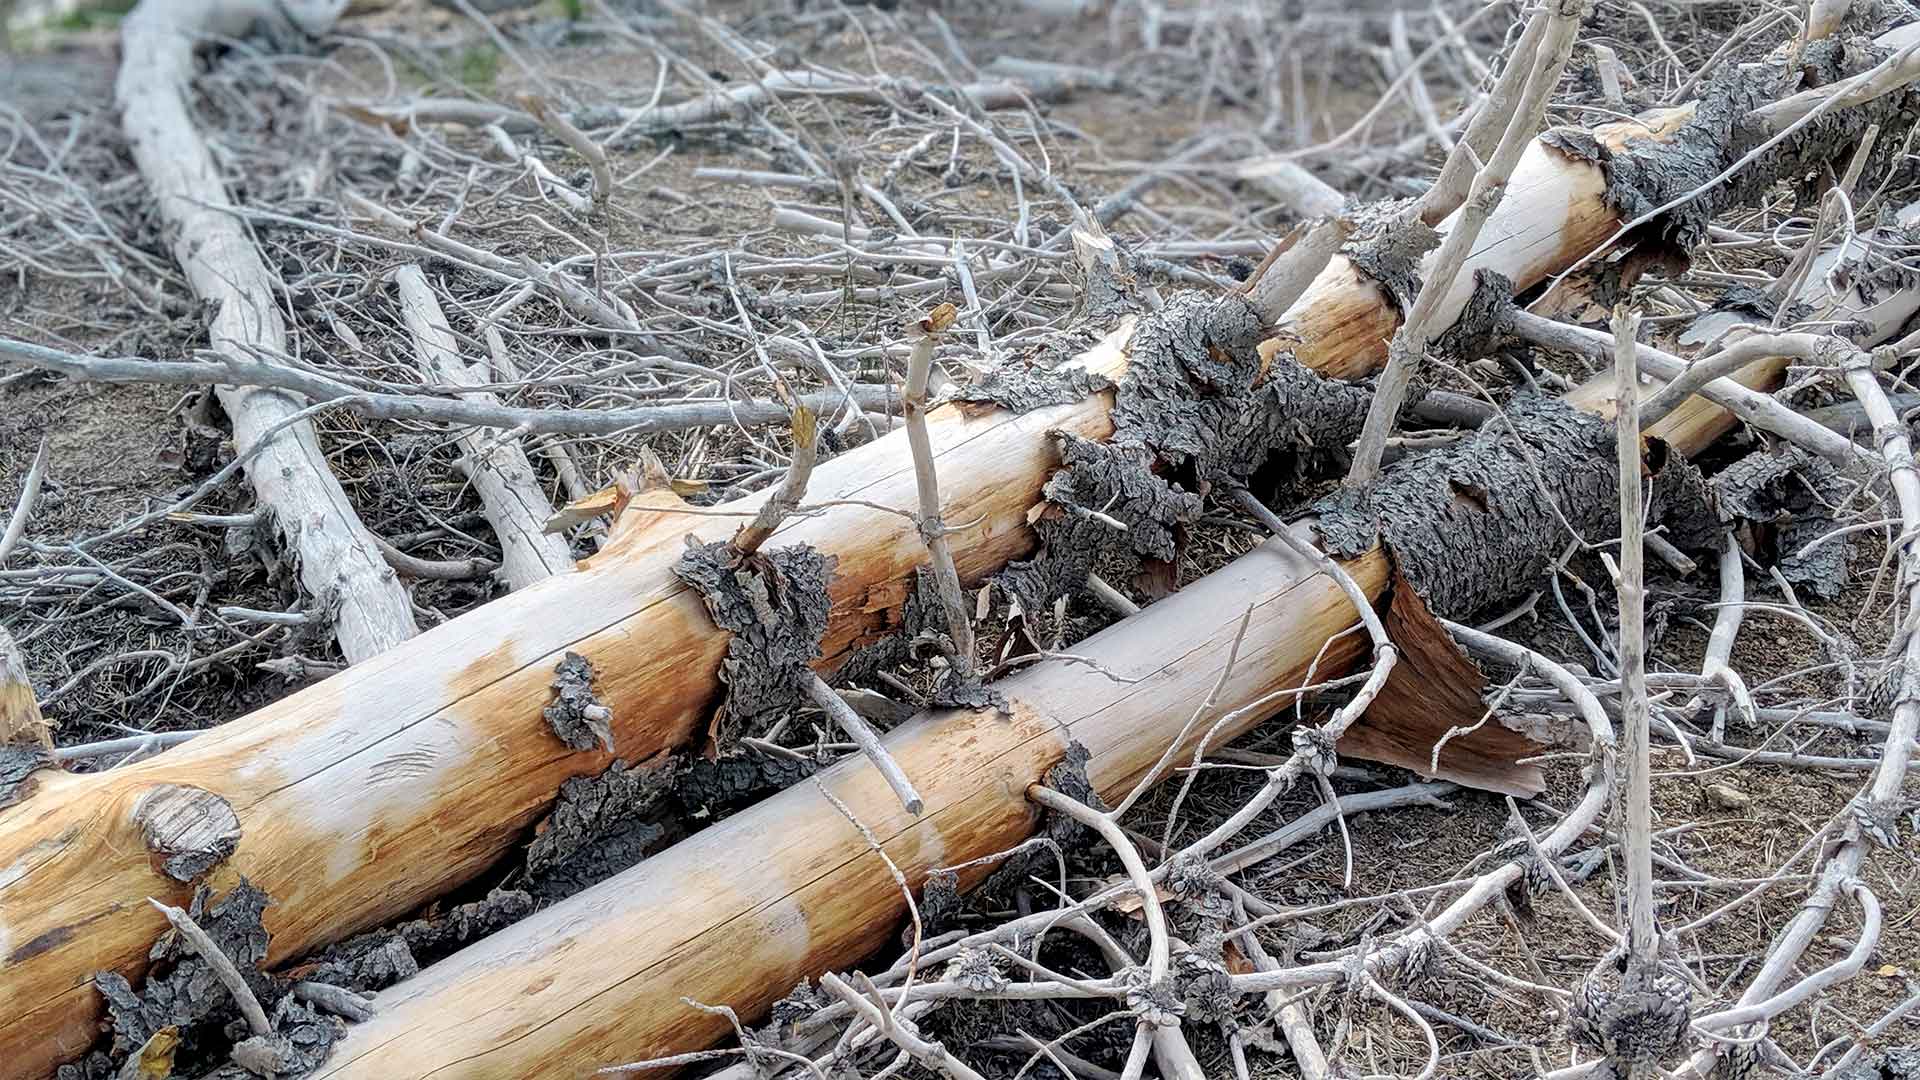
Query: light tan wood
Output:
(20,719)
(741,911)
(414,771)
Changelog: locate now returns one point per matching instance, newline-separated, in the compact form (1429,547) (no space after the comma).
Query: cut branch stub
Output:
(189,830)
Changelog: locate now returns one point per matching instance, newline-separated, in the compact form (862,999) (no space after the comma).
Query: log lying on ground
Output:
(389,784)
(790,888)
(494,461)
(339,562)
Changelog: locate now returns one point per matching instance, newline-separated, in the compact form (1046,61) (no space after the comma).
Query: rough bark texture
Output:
(1481,521)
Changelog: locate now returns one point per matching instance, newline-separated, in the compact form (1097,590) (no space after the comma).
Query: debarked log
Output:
(789,888)
(358,799)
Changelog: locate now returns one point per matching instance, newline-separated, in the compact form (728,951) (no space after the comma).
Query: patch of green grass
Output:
(97,16)
(573,10)
(478,67)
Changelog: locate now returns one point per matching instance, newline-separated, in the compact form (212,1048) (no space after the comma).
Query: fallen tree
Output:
(796,885)
(339,561)
(356,800)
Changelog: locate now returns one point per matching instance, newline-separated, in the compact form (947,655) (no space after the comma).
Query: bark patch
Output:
(577,715)
(775,604)
(18,763)
(598,828)
(1647,173)
(1196,408)
(1788,497)
(1483,520)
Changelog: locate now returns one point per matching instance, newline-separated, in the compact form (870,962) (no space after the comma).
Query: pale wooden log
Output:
(793,886)
(20,719)
(404,776)
(338,561)
(789,888)
(496,464)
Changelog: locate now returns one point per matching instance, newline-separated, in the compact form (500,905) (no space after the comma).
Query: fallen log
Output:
(795,886)
(495,462)
(358,799)
(740,912)
(339,562)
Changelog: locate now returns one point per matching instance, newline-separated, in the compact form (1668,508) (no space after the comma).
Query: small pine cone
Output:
(1637,1028)
(978,971)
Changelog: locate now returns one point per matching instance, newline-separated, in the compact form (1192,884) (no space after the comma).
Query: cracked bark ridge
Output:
(1024,386)
(775,604)
(577,716)
(1387,245)
(734,781)
(181,990)
(1196,408)
(598,828)
(1480,521)
(1483,324)
(18,762)
(1648,173)
(1785,495)
(379,958)
(188,830)
(1068,776)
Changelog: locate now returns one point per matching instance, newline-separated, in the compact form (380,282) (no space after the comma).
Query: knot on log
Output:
(188,830)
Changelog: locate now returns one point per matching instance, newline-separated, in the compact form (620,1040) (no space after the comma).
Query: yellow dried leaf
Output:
(940,318)
(156,1056)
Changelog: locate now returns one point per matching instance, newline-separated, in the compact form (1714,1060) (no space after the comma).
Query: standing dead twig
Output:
(1642,940)
(933,529)
(793,486)
(1409,346)
(29,491)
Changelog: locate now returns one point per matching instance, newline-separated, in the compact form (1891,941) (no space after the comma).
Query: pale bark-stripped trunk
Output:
(339,562)
(406,775)
(543,999)
(494,462)
(787,889)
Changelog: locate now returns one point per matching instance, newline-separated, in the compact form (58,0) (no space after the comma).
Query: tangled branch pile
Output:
(1067,540)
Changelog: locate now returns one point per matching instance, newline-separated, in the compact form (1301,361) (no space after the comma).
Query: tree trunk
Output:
(339,562)
(741,911)
(360,798)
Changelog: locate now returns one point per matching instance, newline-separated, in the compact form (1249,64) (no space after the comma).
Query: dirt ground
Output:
(107,661)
